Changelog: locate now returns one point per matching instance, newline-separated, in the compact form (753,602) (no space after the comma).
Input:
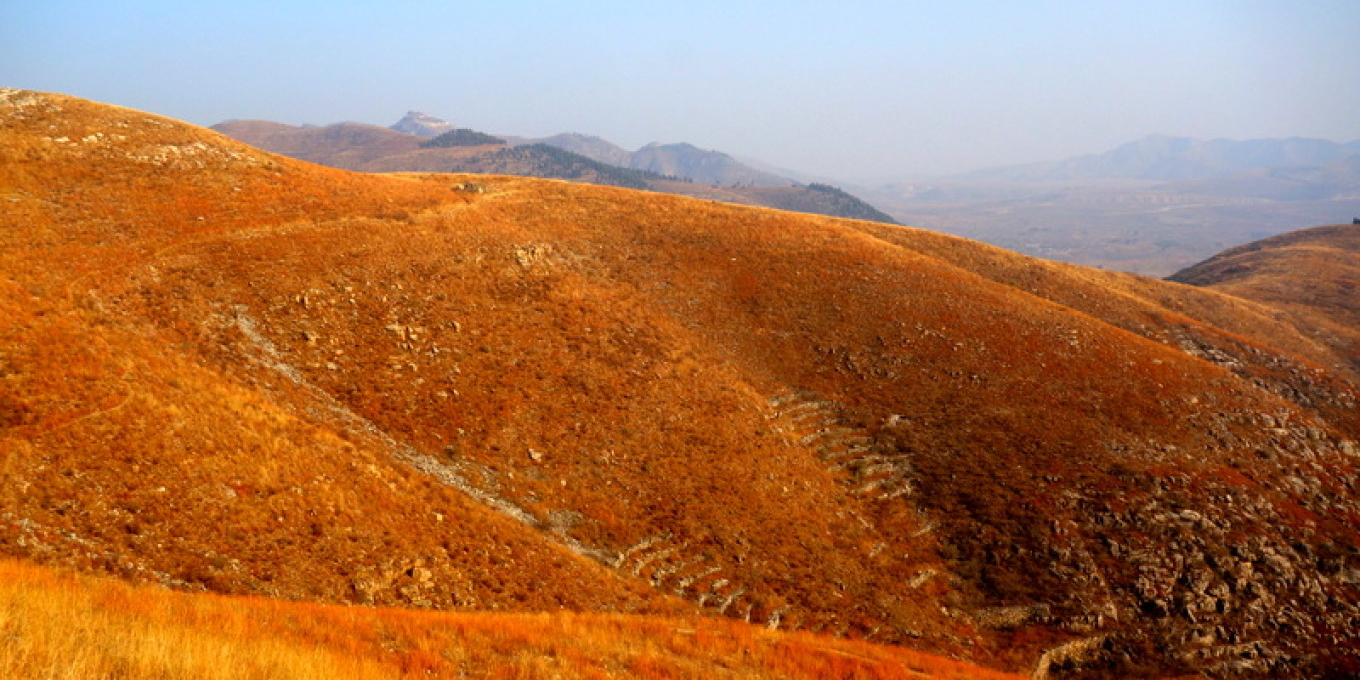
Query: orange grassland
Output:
(1326,303)
(57,625)
(227,371)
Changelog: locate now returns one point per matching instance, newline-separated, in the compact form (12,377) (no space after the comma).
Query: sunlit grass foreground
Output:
(55,625)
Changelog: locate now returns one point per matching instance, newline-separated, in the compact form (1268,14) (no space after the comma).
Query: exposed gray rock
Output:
(422,125)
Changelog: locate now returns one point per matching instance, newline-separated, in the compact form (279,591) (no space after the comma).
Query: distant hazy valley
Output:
(1150,207)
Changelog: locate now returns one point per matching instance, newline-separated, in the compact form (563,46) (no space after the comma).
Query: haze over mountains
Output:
(1152,206)
(1169,159)
(228,370)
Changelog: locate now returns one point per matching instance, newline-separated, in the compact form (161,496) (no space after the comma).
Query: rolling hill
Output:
(1323,302)
(231,371)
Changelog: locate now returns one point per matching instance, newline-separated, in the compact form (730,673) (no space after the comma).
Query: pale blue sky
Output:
(853,90)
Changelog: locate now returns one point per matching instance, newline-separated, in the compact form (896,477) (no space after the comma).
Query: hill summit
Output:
(422,125)
(231,371)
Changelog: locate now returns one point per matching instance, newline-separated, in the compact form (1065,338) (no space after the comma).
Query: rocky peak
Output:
(422,124)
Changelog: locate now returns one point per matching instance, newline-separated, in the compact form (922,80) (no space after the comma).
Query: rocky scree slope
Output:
(228,370)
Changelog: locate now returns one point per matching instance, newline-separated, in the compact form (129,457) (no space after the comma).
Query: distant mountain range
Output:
(1171,159)
(673,168)
(1151,207)
(680,160)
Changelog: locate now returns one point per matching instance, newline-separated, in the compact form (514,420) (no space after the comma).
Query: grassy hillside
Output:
(80,628)
(232,371)
(1313,274)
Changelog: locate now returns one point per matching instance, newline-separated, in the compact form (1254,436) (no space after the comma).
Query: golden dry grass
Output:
(59,626)
(1325,302)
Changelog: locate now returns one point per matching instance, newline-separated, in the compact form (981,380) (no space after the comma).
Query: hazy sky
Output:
(851,89)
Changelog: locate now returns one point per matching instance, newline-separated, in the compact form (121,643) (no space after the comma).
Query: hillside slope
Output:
(197,464)
(544,395)
(1313,274)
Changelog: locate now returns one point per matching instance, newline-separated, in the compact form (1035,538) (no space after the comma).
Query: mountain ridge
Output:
(1168,158)
(372,149)
(681,159)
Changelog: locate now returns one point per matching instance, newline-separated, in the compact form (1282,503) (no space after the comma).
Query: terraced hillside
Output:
(231,371)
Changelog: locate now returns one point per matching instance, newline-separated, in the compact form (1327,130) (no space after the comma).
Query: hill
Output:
(699,165)
(680,160)
(231,371)
(422,125)
(541,160)
(817,199)
(589,146)
(461,137)
(1311,274)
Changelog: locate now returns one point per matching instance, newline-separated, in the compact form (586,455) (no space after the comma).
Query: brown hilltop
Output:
(230,370)
(1312,274)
